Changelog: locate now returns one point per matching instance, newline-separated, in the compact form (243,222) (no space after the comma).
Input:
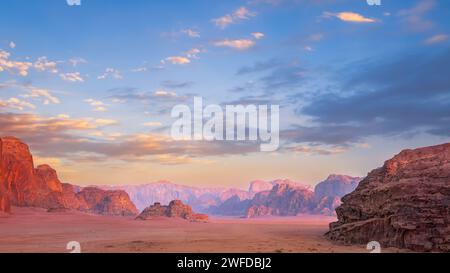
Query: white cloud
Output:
(139,69)
(43,94)
(165,94)
(43,64)
(238,15)
(12,45)
(98,106)
(240,44)
(192,53)
(15,103)
(13,66)
(72,77)
(178,60)
(191,33)
(258,35)
(76,61)
(111,72)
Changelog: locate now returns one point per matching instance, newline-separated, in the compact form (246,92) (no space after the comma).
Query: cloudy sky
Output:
(90,88)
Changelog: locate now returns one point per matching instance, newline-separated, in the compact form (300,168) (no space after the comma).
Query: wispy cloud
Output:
(98,106)
(258,35)
(43,64)
(72,77)
(76,61)
(43,94)
(18,67)
(15,103)
(348,16)
(439,38)
(238,15)
(414,17)
(12,45)
(178,60)
(239,44)
(191,33)
(111,73)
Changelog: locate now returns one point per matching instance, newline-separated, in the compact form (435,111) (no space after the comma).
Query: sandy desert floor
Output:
(35,230)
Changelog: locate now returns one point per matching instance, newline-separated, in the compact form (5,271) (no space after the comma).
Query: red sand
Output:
(35,230)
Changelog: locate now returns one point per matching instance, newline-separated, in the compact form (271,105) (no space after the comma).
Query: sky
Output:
(90,87)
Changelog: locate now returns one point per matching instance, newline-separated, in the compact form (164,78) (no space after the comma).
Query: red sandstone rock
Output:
(405,203)
(176,209)
(99,201)
(22,185)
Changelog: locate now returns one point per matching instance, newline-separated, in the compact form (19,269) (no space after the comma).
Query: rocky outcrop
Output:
(103,202)
(284,199)
(23,185)
(175,209)
(404,204)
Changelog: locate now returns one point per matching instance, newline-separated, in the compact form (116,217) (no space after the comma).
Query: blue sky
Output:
(90,87)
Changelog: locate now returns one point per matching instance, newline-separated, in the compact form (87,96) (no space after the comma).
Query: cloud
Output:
(12,45)
(258,35)
(392,96)
(348,16)
(43,94)
(191,33)
(317,150)
(98,106)
(175,85)
(64,137)
(18,67)
(140,69)
(33,92)
(105,122)
(439,38)
(178,60)
(152,124)
(72,77)
(239,44)
(192,53)
(15,103)
(43,64)
(238,15)
(111,73)
(76,61)
(414,17)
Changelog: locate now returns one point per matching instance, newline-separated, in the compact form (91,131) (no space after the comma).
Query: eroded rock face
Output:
(405,203)
(336,186)
(23,185)
(284,199)
(103,202)
(175,209)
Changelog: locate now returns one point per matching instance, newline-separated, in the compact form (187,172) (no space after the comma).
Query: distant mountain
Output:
(336,186)
(200,199)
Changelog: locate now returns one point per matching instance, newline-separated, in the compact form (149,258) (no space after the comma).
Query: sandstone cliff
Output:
(23,185)
(405,203)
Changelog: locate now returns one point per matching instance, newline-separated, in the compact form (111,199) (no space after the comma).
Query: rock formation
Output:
(283,199)
(328,193)
(25,186)
(405,203)
(99,201)
(336,186)
(175,209)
